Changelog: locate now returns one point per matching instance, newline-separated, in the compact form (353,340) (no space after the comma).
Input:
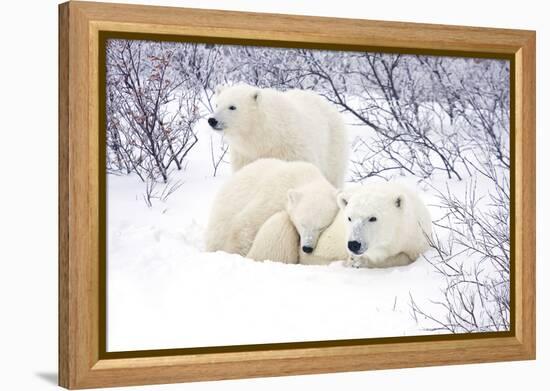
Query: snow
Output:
(164,291)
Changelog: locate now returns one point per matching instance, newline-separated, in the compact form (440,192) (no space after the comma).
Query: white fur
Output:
(283,237)
(277,240)
(295,125)
(257,192)
(396,238)
(331,245)
(311,209)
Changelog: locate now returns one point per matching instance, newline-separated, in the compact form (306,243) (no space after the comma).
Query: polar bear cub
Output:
(295,125)
(296,230)
(260,190)
(386,225)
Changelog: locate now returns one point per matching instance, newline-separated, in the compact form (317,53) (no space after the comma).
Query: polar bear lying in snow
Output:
(380,225)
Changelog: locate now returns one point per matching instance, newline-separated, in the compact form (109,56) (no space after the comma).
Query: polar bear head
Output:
(312,208)
(373,215)
(236,110)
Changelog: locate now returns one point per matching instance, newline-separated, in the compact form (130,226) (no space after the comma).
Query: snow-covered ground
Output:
(164,291)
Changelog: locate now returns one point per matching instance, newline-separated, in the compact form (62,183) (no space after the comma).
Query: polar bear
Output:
(387,224)
(257,192)
(379,225)
(294,125)
(295,230)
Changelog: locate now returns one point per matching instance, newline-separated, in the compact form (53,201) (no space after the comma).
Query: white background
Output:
(28,194)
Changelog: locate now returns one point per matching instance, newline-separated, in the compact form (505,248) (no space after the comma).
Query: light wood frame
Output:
(81,361)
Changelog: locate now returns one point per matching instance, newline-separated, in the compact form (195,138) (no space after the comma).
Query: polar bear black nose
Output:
(212,121)
(307,249)
(354,246)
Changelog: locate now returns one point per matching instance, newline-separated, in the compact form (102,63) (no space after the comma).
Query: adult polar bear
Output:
(294,125)
(379,225)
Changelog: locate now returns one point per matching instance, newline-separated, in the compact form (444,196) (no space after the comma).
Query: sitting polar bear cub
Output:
(295,125)
(256,193)
(379,225)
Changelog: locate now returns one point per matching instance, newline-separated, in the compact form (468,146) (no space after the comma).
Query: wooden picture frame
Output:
(83,362)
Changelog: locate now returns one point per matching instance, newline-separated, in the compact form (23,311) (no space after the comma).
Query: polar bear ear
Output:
(257,96)
(294,196)
(399,201)
(342,199)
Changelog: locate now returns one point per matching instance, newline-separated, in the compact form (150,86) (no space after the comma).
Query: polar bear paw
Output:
(355,262)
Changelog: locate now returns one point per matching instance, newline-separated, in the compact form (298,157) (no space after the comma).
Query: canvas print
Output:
(266,195)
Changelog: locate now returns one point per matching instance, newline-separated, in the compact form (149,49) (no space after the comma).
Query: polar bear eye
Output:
(372,219)
(349,219)
(232,108)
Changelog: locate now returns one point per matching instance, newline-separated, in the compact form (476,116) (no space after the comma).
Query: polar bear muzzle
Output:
(214,123)
(355,247)
(308,240)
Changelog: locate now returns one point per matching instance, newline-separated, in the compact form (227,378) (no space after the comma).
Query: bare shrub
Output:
(474,259)
(150,116)
(152,191)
